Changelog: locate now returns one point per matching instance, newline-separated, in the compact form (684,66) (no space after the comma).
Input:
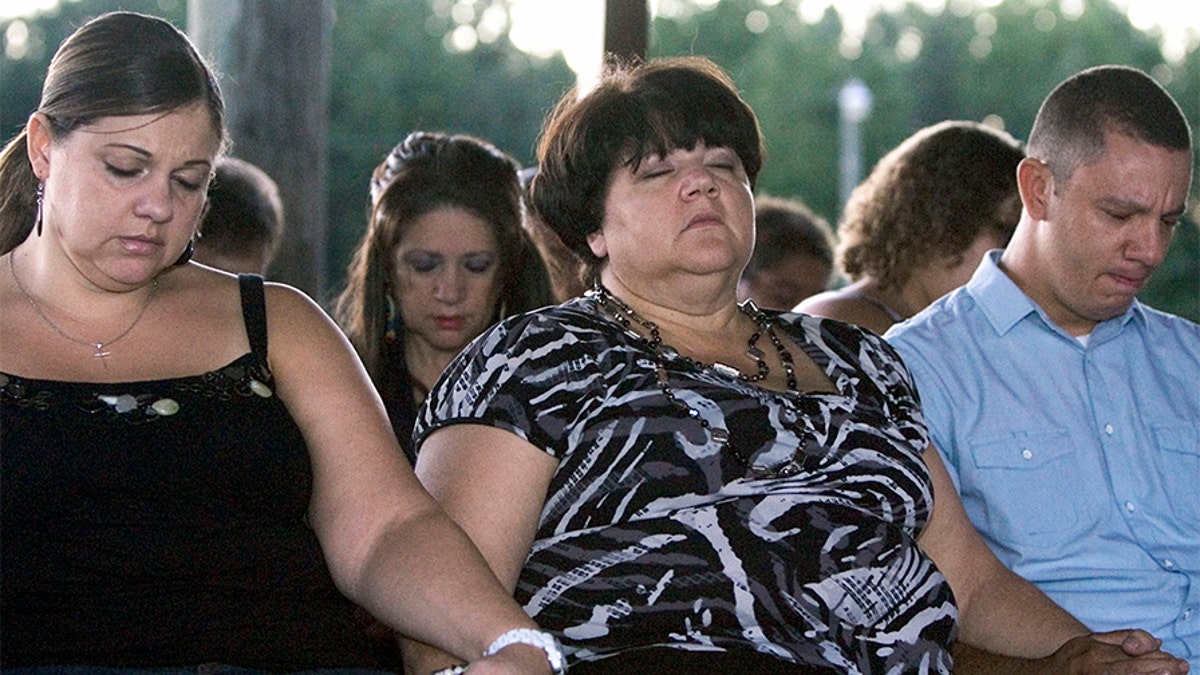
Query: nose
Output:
(699,182)
(448,285)
(1149,242)
(155,202)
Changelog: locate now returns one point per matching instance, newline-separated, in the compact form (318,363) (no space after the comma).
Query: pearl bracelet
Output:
(534,638)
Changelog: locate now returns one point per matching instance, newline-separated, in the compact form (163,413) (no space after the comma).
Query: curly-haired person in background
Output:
(918,225)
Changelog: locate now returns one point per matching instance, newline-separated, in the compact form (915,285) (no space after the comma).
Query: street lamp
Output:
(854,105)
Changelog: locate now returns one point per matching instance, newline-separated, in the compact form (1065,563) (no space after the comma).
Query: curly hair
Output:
(931,196)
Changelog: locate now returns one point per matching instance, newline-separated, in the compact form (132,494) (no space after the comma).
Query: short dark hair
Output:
(785,227)
(118,64)
(1071,123)
(931,196)
(637,109)
(244,209)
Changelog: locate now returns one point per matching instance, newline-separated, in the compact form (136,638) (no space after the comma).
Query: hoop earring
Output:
(37,221)
(187,253)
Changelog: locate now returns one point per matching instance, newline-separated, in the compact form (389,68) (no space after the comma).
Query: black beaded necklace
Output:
(625,316)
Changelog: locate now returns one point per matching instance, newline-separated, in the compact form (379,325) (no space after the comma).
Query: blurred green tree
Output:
(403,65)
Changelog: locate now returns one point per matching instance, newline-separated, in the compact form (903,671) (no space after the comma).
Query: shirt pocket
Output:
(1021,481)
(1178,459)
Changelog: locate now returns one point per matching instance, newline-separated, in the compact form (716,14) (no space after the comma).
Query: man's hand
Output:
(1116,652)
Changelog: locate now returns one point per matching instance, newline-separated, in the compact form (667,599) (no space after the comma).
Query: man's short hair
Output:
(1071,123)
(244,209)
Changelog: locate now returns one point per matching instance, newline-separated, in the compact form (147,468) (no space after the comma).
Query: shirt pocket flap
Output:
(1022,450)
(1185,440)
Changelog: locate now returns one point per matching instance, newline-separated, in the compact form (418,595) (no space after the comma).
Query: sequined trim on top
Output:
(242,378)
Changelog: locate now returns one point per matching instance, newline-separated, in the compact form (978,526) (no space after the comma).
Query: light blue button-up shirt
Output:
(1080,465)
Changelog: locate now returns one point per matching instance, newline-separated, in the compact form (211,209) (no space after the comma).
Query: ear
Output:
(37,144)
(597,243)
(1036,183)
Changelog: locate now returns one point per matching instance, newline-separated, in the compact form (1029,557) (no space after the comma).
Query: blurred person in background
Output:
(793,254)
(244,221)
(917,227)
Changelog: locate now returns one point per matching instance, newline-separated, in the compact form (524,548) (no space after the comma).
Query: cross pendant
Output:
(101,353)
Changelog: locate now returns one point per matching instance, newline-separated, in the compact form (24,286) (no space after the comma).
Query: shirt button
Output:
(1108,429)
(1129,507)
(1169,564)
(1187,614)
(1027,454)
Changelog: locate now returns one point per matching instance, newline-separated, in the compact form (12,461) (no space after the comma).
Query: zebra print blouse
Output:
(652,537)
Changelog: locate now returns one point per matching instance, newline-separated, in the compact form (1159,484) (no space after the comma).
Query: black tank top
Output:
(162,523)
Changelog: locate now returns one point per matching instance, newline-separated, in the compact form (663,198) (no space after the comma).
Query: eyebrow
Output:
(1138,207)
(147,154)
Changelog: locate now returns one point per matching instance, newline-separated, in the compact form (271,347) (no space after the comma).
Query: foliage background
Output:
(394,71)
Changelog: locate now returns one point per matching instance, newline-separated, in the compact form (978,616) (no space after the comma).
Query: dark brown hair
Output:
(118,64)
(1070,125)
(786,227)
(244,209)
(427,171)
(637,109)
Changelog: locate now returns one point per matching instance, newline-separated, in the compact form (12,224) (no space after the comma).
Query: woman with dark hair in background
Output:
(443,258)
(244,222)
(793,254)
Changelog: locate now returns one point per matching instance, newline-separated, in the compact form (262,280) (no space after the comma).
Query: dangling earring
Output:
(393,319)
(41,191)
(187,252)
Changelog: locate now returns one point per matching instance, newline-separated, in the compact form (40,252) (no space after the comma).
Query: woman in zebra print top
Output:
(668,479)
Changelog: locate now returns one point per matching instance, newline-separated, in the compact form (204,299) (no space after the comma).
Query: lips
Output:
(1134,283)
(449,322)
(705,219)
(141,245)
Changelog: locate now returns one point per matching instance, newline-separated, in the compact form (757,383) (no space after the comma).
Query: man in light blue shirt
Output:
(1068,413)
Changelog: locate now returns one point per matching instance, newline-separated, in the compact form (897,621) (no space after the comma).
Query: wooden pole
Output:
(272,58)
(626,28)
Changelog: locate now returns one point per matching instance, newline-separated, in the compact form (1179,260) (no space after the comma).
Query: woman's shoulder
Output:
(849,306)
(575,318)
(570,336)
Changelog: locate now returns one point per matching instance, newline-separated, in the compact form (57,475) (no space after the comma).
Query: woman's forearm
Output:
(425,579)
(1009,615)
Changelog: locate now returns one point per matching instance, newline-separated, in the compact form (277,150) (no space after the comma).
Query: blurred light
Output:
(463,12)
(986,24)
(16,40)
(1045,20)
(909,45)
(757,21)
(980,47)
(461,39)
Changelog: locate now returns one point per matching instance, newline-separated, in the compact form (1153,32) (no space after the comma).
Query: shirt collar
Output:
(1001,301)
(1005,304)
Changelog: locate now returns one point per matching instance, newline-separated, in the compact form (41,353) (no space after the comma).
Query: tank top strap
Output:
(254,313)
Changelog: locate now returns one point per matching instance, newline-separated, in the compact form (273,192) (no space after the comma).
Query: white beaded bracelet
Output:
(534,638)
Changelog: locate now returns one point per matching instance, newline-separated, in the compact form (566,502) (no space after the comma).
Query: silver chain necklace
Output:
(100,349)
